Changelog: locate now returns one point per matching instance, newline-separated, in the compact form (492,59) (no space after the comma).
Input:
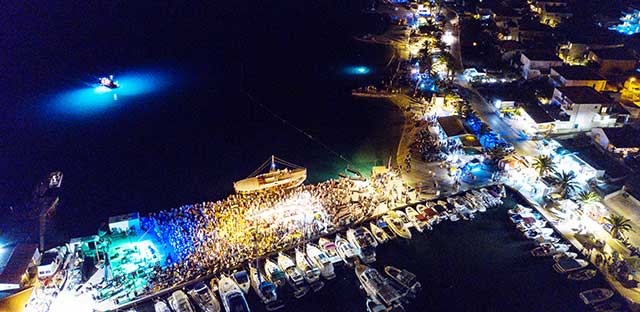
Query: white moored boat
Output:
(242,279)
(160,306)
(311,273)
(379,233)
(204,298)
(232,297)
(289,177)
(266,291)
(364,242)
(286,264)
(179,302)
(330,248)
(395,224)
(321,261)
(347,252)
(273,273)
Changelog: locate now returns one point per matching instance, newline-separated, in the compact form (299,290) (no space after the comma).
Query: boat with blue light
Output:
(109,82)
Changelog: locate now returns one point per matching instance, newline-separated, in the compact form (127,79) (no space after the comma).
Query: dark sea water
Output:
(182,128)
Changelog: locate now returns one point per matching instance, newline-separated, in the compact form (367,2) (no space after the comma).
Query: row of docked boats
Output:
(232,290)
(387,293)
(397,223)
(533,226)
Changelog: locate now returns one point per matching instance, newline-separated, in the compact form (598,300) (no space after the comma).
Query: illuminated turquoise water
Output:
(89,99)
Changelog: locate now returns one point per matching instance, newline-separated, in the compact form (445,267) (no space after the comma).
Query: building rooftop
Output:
(583,95)
(538,114)
(533,25)
(541,55)
(623,137)
(452,126)
(615,54)
(577,73)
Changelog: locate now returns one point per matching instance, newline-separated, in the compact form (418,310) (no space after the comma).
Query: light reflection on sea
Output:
(89,98)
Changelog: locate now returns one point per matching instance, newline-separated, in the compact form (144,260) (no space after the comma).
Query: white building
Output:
(585,107)
(538,63)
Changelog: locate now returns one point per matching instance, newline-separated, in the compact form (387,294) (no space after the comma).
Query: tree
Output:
(619,225)
(567,183)
(586,198)
(544,165)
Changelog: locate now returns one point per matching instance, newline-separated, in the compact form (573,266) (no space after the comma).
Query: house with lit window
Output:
(585,107)
(537,63)
(576,76)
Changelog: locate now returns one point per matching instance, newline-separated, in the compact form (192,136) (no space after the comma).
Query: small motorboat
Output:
(363,241)
(404,219)
(109,82)
(595,295)
(233,299)
(204,298)
(396,225)
(405,278)
(329,248)
(161,306)
(293,273)
(374,305)
(564,255)
(311,273)
(266,291)
(549,249)
(180,302)
(347,252)
(382,224)
(242,279)
(569,265)
(583,275)
(412,214)
(321,261)
(379,233)
(273,273)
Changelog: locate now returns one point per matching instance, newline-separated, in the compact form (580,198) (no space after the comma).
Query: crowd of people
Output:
(215,236)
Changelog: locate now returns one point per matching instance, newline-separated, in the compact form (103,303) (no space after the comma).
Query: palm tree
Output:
(567,183)
(586,198)
(619,225)
(544,165)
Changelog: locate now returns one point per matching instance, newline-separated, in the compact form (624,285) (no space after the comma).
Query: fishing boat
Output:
(412,214)
(204,298)
(377,286)
(288,177)
(242,279)
(595,295)
(232,297)
(321,261)
(160,306)
(273,273)
(378,233)
(311,273)
(549,249)
(286,264)
(329,247)
(569,265)
(179,302)
(108,82)
(396,225)
(405,278)
(266,291)
(583,275)
(347,252)
(364,243)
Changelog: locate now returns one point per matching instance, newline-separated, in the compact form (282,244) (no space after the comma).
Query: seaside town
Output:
(527,106)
